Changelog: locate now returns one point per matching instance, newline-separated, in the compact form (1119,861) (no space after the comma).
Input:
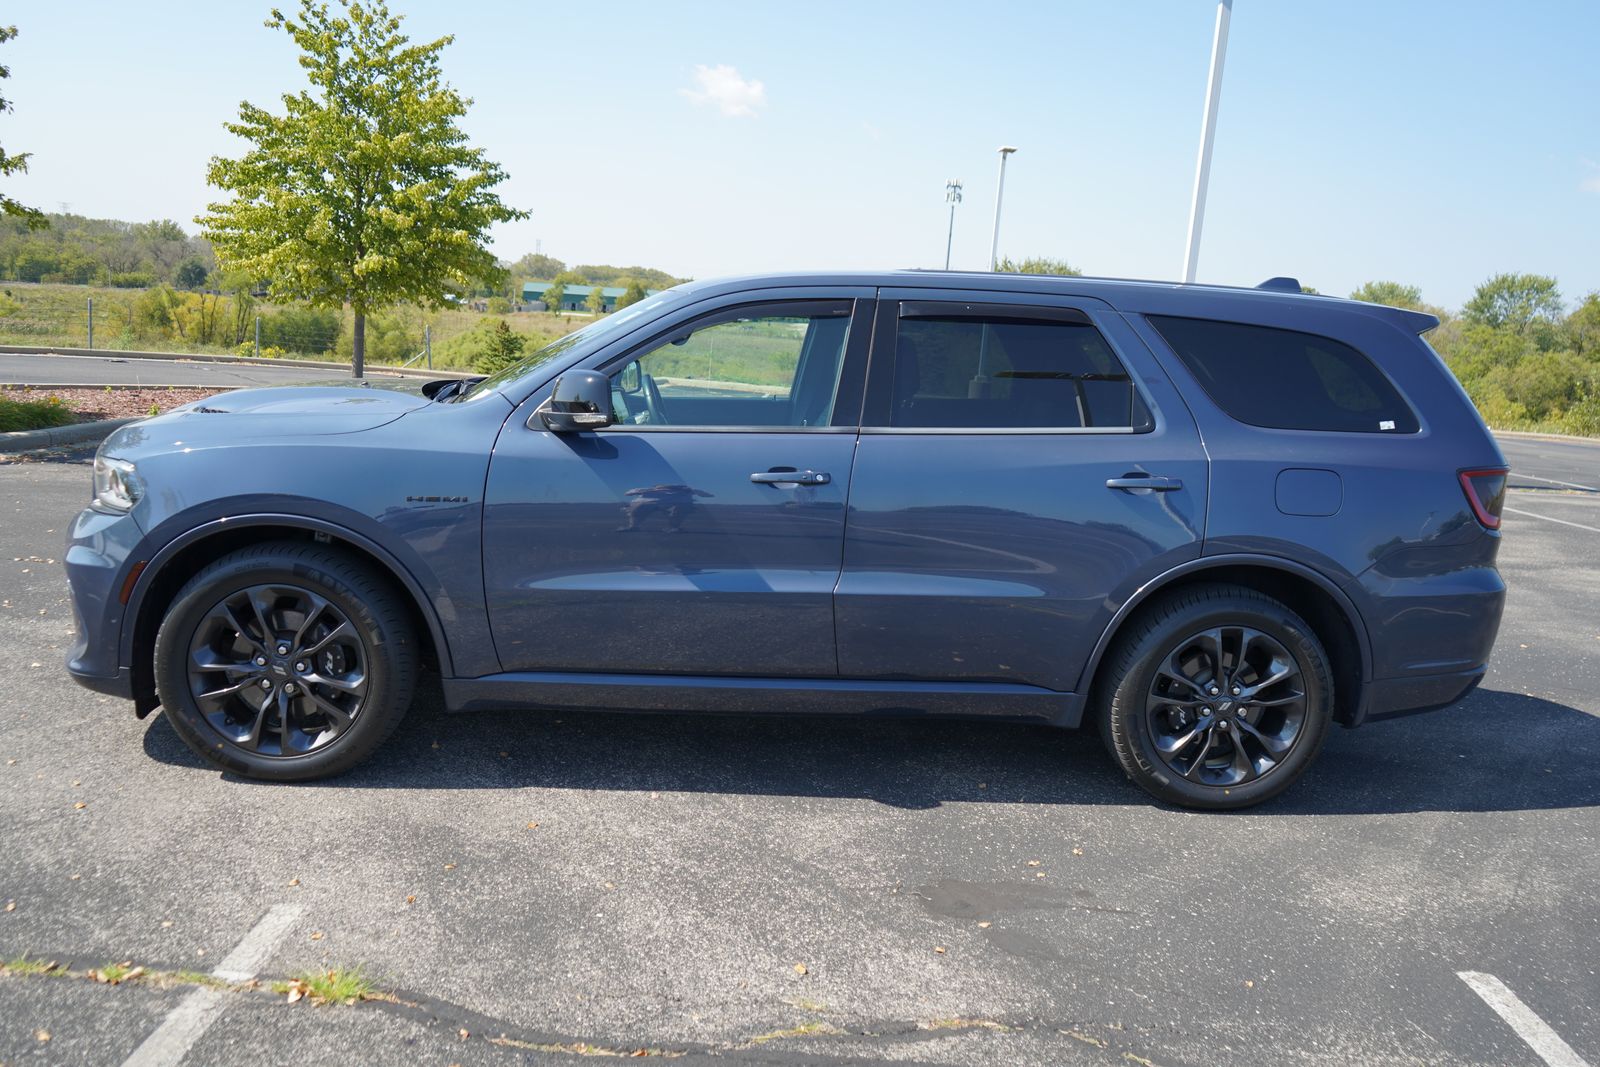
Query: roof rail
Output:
(1281,285)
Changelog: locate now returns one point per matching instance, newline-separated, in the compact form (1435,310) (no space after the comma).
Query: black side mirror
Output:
(581,400)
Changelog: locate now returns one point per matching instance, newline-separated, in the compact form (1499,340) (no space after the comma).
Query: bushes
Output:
(498,348)
(33,414)
(313,330)
(392,337)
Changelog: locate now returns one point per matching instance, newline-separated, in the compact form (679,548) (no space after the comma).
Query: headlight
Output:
(117,485)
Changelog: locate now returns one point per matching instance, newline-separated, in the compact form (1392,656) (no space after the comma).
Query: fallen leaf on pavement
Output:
(41,1035)
(294,881)
(985,925)
(449,866)
(800,968)
(939,949)
(79,806)
(316,935)
(412,899)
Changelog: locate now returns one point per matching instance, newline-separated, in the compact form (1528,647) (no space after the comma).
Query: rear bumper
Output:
(1390,698)
(118,685)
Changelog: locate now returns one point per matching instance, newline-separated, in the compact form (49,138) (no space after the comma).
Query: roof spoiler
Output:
(1419,322)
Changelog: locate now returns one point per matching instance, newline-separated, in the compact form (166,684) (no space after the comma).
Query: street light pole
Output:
(952,196)
(1208,133)
(999,192)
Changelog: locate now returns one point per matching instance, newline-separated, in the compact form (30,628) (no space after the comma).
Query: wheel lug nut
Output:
(1205,711)
(1237,690)
(290,688)
(1214,690)
(283,650)
(301,666)
(266,683)
(261,661)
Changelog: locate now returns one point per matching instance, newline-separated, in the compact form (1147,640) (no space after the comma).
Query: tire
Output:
(1158,692)
(286,661)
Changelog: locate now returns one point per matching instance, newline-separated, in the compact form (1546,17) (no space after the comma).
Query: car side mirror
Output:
(581,400)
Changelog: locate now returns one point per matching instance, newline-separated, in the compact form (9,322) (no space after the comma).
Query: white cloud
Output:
(1590,183)
(724,88)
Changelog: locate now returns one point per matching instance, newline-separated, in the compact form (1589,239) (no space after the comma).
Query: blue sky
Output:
(1430,143)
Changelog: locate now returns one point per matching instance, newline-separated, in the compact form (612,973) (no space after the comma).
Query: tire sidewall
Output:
(1131,730)
(176,634)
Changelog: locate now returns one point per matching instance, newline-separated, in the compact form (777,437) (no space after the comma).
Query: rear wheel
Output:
(285,662)
(1219,697)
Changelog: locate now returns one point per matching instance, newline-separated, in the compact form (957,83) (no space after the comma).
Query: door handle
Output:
(791,477)
(1145,481)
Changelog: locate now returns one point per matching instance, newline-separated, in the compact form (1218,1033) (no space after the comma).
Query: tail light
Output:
(1486,492)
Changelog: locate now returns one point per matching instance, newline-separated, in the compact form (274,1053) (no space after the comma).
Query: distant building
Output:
(574,297)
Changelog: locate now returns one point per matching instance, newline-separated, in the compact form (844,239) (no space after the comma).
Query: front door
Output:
(1024,466)
(702,532)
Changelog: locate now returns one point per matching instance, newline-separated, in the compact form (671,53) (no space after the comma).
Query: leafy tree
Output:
(364,192)
(18,163)
(1394,294)
(1037,265)
(634,293)
(537,267)
(605,274)
(191,273)
(1583,326)
(596,300)
(499,305)
(553,295)
(499,349)
(1515,301)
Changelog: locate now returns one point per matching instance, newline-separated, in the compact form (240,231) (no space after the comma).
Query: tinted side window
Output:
(966,373)
(1285,379)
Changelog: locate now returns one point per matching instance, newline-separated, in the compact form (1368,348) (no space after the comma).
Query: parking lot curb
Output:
(76,434)
(1534,436)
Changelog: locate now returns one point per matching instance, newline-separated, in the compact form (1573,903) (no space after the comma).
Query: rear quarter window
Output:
(1285,379)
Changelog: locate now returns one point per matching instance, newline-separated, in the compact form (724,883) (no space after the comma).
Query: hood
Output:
(278,413)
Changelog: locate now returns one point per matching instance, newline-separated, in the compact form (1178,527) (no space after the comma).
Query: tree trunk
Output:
(358,346)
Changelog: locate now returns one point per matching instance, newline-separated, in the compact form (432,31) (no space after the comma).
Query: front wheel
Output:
(1218,698)
(285,662)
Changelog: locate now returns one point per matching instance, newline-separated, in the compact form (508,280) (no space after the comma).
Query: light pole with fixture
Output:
(1000,192)
(952,196)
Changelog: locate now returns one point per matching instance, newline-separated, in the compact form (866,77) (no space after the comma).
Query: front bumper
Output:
(100,549)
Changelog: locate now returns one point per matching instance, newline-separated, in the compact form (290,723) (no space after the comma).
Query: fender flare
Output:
(398,570)
(1202,564)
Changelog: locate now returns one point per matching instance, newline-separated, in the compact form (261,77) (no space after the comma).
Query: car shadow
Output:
(1494,751)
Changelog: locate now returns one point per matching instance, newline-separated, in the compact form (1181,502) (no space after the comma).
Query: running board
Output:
(550,690)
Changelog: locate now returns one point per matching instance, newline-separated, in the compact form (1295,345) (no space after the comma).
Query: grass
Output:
(23,965)
(813,1028)
(48,314)
(33,414)
(336,986)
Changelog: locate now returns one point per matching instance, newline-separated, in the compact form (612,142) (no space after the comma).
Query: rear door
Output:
(1024,465)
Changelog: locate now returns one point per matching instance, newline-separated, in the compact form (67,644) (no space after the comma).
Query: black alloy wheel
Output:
(1215,697)
(277,670)
(286,661)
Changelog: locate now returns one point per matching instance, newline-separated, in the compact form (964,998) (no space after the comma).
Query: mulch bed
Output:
(92,405)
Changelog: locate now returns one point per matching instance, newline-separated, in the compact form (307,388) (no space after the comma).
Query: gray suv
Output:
(1209,522)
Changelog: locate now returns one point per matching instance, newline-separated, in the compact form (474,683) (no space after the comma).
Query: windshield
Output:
(598,331)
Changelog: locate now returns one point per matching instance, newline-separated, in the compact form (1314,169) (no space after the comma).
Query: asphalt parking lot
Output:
(535,889)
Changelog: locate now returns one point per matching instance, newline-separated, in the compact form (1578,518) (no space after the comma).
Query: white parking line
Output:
(184,1024)
(1546,518)
(1532,1029)
(1554,481)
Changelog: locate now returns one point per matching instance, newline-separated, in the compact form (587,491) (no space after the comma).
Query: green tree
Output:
(1515,301)
(1037,265)
(18,163)
(499,349)
(364,192)
(634,293)
(596,300)
(1583,326)
(537,267)
(1393,294)
(191,273)
(553,295)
